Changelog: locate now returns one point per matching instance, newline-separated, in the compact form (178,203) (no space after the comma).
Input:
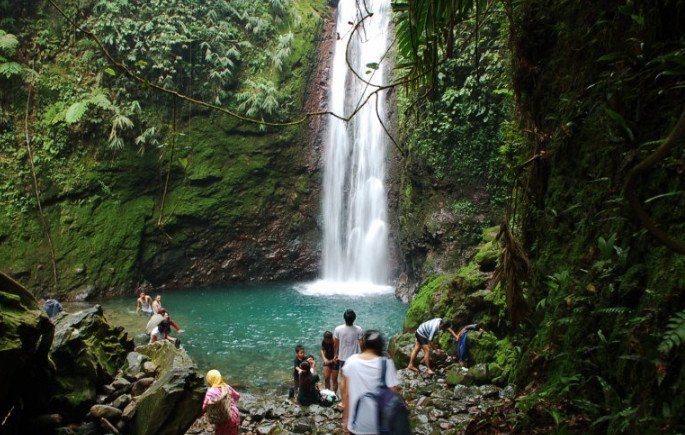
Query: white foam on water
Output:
(343,288)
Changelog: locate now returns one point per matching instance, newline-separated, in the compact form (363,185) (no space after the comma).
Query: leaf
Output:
(8,43)
(75,112)
(372,65)
(183,161)
(9,69)
(110,72)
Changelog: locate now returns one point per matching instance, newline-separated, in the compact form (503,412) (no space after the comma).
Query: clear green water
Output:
(249,332)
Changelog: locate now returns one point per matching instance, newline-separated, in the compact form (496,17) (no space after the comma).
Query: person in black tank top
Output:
(330,362)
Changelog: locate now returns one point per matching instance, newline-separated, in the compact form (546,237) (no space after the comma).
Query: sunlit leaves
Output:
(76,112)
(8,43)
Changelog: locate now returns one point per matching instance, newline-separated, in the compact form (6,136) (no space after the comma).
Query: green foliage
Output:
(8,43)
(675,333)
(260,99)
(458,132)
(75,112)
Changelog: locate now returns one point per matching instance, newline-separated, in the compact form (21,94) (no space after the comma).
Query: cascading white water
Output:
(355,241)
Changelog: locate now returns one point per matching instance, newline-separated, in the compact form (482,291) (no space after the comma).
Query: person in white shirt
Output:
(360,376)
(347,338)
(425,333)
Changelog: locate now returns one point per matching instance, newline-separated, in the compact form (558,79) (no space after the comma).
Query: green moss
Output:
(422,307)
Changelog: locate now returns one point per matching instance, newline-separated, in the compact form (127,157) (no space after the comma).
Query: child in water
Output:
(330,362)
(217,387)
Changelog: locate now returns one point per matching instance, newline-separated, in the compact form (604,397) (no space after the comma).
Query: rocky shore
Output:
(436,405)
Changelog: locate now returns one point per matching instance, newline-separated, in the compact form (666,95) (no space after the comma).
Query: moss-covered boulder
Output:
(25,337)
(87,352)
(400,347)
(174,401)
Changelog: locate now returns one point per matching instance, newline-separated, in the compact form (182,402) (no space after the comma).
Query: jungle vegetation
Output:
(571,115)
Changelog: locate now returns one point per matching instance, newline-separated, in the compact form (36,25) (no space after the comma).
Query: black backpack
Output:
(393,415)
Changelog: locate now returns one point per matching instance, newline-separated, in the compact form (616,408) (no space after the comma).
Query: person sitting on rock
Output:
(216,391)
(425,333)
(51,306)
(308,391)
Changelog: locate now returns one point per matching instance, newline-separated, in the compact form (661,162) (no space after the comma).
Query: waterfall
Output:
(355,239)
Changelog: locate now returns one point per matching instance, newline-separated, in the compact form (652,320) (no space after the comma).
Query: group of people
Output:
(160,322)
(357,355)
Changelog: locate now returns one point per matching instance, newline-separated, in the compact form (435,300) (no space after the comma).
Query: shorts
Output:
(335,365)
(421,339)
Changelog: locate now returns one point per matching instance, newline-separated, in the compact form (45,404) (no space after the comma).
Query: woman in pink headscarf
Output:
(217,387)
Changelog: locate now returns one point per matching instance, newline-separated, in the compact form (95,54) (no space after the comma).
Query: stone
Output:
(150,368)
(480,374)
(129,411)
(302,425)
(134,363)
(120,384)
(87,352)
(122,401)
(266,429)
(489,391)
(460,391)
(507,392)
(174,400)
(105,411)
(458,375)
(141,385)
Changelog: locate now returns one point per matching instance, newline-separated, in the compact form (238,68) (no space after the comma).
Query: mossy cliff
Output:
(597,93)
(241,202)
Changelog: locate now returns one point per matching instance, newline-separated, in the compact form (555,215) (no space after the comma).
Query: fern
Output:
(675,333)
(9,69)
(8,43)
(75,112)
(612,310)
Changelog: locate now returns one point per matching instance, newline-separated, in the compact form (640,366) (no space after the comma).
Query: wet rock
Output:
(89,428)
(105,411)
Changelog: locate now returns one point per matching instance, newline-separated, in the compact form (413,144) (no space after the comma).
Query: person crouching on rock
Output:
(425,333)
(161,332)
(308,393)
(220,405)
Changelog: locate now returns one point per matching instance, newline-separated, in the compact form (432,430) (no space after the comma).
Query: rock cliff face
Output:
(242,203)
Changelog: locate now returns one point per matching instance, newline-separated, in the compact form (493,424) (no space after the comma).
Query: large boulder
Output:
(87,352)
(25,337)
(174,401)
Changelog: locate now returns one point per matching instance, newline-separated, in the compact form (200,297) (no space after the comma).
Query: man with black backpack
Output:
(371,401)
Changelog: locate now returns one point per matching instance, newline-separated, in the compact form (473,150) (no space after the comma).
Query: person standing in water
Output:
(157,304)
(347,338)
(144,304)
